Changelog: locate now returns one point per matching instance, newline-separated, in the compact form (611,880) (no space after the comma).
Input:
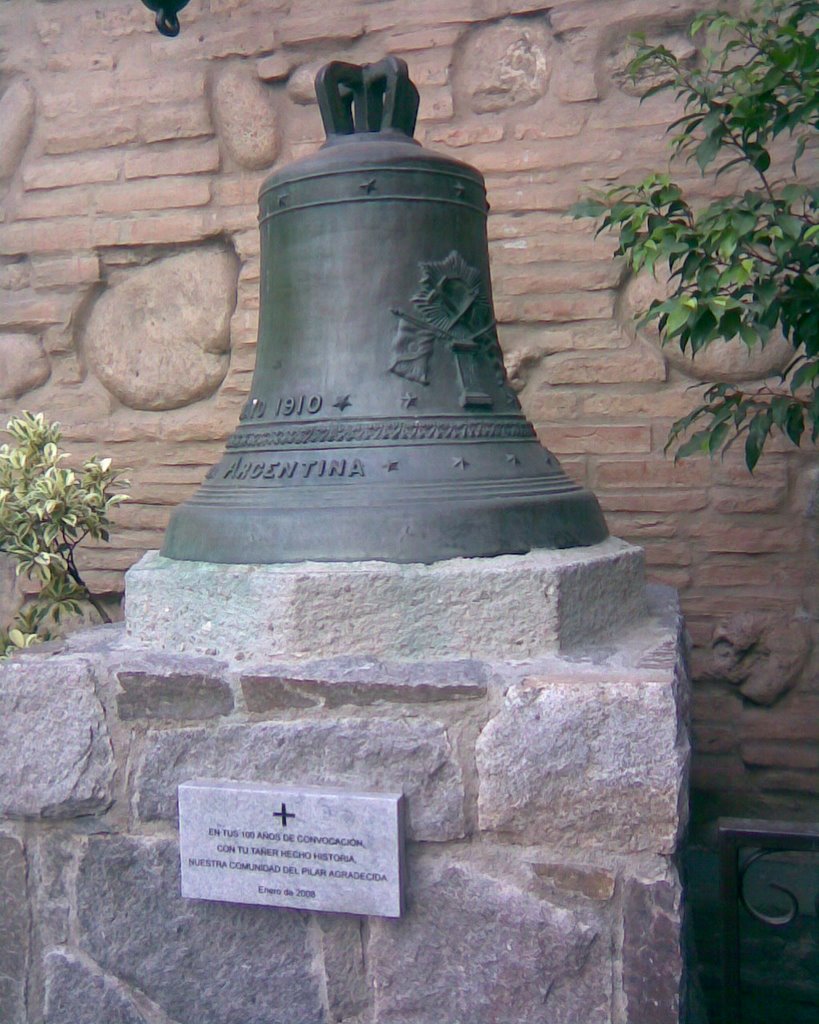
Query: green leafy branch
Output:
(46,511)
(748,265)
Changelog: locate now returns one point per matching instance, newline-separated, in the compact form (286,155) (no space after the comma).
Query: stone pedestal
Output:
(545,793)
(515,606)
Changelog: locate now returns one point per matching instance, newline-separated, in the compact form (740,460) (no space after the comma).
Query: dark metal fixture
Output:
(166,14)
(743,843)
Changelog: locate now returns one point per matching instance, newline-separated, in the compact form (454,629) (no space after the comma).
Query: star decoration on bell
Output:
(283,200)
(391,466)
(408,400)
(342,402)
(368,186)
(460,463)
(513,459)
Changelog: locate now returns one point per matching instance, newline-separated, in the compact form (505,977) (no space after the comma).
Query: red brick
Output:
(779,780)
(72,133)
(542,246)
(673,553)
(549,308)
(748,500)
(436,104)
(162,160)
(560,123)
(173,121)
(578,439)
(669,577)
(31,309)
(629,365)
(423,38)
(457,136)
(546,155)
(653,501)
(753,539)
(710,772)
(52,203)
(563,337)
(669,403)
(156,194)
(56,172)
(713,739)
(510,195)
(647,473)
(554,277)
(754,572)
(76,269)
(781,755)
(179,227)
(276,67)
(241,190)
(637,525)
(795,718)
(546,406)
(318,27)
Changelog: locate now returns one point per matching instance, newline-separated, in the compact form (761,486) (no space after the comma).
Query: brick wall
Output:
(130,164)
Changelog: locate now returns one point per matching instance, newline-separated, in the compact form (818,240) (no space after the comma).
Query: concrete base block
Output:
(510,607)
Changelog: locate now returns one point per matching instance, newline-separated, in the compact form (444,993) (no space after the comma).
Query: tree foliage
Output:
(46,511)
(746,266)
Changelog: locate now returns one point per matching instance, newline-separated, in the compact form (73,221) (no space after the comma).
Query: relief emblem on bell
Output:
(452,309)
(380,422)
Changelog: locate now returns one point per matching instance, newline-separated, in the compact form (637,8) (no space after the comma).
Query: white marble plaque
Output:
(307,847)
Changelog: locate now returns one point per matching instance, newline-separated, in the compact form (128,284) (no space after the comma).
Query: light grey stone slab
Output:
(199,962)
(510,607)
(412,756)
(56,759)
(473,947)
(304,847)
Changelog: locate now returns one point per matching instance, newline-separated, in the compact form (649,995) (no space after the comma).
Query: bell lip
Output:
(401,535)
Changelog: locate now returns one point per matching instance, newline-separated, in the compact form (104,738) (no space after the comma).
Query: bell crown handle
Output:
(357,98)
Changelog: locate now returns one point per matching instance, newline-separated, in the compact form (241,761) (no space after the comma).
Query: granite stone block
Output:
(219,963)
(14,931)
(368,754)
(56,759)
(473,947)
(77,992)
(336,682)
(587,760)
(652,951)
(163,687)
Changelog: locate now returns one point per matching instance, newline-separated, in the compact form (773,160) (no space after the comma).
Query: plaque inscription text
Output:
(308,847)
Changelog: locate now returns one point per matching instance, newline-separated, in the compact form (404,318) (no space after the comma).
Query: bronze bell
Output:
(380,422)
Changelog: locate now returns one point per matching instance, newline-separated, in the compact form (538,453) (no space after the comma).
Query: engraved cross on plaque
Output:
(284,814)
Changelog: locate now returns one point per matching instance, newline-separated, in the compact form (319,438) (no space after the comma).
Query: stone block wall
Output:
(129,276)
(545,803)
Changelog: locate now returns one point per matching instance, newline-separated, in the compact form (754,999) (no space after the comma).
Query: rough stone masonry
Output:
(545,795)
(129,277)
